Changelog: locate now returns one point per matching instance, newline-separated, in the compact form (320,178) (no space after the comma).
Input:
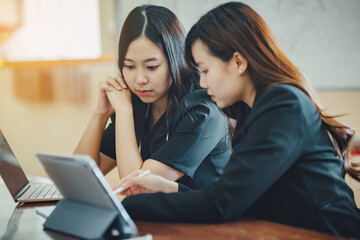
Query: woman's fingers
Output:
(126,192)
(116,82)
(133,174)
(148,184)
(121,197)
(135,190)
(112,81)
(133,184)
(151,182)
(129,192)
(131,181)
(121,81)
(105,86)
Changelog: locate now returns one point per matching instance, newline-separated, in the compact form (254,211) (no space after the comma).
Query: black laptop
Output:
(16,181)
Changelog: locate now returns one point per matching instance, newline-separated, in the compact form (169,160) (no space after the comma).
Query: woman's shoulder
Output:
(196,97)
(196,107)
(285,99)
(284,93)
(284,88)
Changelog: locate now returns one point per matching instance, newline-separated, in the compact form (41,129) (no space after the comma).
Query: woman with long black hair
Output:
(160,119)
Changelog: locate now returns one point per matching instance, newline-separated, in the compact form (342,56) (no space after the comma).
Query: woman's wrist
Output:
(172,187)
(100,117)
(123,108)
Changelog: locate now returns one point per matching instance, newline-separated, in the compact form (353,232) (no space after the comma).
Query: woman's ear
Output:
(240,62)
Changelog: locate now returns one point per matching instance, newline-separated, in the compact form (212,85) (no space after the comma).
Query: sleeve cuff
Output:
(183,188)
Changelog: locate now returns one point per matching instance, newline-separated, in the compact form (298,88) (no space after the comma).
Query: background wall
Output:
(320,36)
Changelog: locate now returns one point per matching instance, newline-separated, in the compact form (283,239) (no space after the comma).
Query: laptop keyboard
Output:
(44,191)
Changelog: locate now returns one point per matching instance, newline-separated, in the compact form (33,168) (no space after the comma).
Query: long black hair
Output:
(236,27)
(163,28)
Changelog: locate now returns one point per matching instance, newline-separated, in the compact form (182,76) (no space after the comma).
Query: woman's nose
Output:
(203,82)
(141,78)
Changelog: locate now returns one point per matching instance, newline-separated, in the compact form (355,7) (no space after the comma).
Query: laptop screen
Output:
(10,170)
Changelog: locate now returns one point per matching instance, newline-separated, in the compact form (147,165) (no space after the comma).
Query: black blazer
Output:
(284,170)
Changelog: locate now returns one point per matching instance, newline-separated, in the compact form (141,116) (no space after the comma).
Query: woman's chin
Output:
(220,105)
(224,104)
(146,99)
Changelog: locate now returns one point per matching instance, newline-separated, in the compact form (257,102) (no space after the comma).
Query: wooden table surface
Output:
(21,222)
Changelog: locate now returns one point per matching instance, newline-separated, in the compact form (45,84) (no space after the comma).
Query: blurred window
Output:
(56,30)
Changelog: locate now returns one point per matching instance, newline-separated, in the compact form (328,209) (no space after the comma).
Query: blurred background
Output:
(53,53)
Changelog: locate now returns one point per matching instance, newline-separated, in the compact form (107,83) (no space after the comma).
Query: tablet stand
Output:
(87,221)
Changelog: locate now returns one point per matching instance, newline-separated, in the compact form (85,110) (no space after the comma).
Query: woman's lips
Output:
(144,93)
(211,96)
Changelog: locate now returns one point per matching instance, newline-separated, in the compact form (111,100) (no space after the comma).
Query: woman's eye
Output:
(129,66)
(151,67)
(204,72)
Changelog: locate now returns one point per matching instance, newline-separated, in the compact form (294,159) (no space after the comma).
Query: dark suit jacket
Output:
(284,170)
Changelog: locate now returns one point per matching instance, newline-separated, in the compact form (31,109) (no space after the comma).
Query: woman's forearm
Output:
(128,157)
(90,141)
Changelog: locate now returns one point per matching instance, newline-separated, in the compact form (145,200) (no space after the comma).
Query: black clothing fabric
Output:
(284,170)
(197,143)
(183,188)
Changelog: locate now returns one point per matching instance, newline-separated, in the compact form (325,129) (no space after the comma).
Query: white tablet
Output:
(80,181)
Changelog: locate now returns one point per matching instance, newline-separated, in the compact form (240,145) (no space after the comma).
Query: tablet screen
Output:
(79,179)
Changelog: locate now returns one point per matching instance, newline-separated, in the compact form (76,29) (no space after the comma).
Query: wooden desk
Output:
(21,222)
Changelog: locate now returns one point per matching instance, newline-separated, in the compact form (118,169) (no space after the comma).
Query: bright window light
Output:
(56,30)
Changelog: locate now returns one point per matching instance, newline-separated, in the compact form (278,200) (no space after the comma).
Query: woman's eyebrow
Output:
(151,59)
(146,60)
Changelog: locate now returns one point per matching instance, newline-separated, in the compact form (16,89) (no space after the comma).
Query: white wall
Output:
(321,37)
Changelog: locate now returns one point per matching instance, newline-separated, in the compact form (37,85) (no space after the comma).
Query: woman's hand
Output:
(118,93)
(111,84)
(146,184)
(121,197)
